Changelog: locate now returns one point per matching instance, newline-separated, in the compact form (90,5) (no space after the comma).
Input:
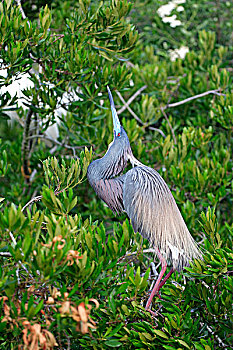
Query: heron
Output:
(147,200)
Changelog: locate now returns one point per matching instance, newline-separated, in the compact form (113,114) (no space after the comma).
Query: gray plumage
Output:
(145,197)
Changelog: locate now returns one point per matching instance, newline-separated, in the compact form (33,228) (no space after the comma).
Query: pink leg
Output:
(166,278)
(157,284)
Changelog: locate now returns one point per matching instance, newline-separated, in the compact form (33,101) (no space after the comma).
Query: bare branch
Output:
(215,92)
(35,199)
(25,146)
(21,9)
(38,198)
(19,261)
(43,137)
(129,109)
(130,100)
(126,105)
(158,130)
(169,124)
(12,238)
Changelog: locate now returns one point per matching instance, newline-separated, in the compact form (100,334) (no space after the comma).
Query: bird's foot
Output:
(154,314)
(151,312)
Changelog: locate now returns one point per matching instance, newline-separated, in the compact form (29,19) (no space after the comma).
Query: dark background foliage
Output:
(61,247)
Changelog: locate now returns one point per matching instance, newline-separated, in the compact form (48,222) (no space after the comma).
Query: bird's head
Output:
(119,151)
(118,130)
(120,136)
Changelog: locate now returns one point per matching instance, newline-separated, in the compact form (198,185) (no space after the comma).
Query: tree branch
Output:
(130,100)
(126,106)
(169,124)
(43,137)
(18,2)
(158,130)
(129,109)
(35,199)
(25,146)
(215,92)
(19,261)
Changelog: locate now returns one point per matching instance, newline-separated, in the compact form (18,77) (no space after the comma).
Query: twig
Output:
(169,124)
(43,137)
(25,145)
(12,238)
(154,268)
(169,105)
(158,130)
(129,109)
(38,198)
(126,106)
(177,81)
(5,254)
(35,199)
(61,36)
(21,9)
(149,250)
(130,100)
(219,340)
(19,261)
(215,92)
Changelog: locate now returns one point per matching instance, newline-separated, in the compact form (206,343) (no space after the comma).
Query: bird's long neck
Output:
(103,175)
(109,166)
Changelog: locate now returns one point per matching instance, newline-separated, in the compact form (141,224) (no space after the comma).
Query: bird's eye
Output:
(119,134)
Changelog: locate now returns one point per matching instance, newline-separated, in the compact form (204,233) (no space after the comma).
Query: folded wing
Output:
(154,213)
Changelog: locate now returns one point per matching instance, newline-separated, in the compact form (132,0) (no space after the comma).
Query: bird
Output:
(147,200)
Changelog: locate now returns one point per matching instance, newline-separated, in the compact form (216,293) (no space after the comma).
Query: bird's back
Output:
(154,213)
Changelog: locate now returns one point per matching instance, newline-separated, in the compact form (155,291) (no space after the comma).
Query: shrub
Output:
(74,275)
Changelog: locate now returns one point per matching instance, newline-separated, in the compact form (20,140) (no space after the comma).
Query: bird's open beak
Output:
(116,122)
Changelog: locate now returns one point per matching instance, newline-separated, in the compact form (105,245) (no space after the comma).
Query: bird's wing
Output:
(153,212)
(111,192)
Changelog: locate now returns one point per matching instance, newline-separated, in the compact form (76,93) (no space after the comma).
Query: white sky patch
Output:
(180,8)
(17,86)
(178,53)
(165,11)
(23,82)
(175,23)
(177,2)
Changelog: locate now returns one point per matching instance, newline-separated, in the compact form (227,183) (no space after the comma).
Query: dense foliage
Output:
(74,275)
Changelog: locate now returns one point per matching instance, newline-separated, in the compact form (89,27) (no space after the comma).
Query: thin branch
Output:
(215,92)
(158,130)
(219,340)
(129,109)
(61,36)
(130,100)
(43,137)
(21,9)
(12,238)
(38,198)
(169,124)
(35,199)
(25,146)
(126,106)
(149,250)
(19,261)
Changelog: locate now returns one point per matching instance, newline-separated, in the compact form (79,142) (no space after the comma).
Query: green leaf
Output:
(113,343)
(160,333)
(183,343)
